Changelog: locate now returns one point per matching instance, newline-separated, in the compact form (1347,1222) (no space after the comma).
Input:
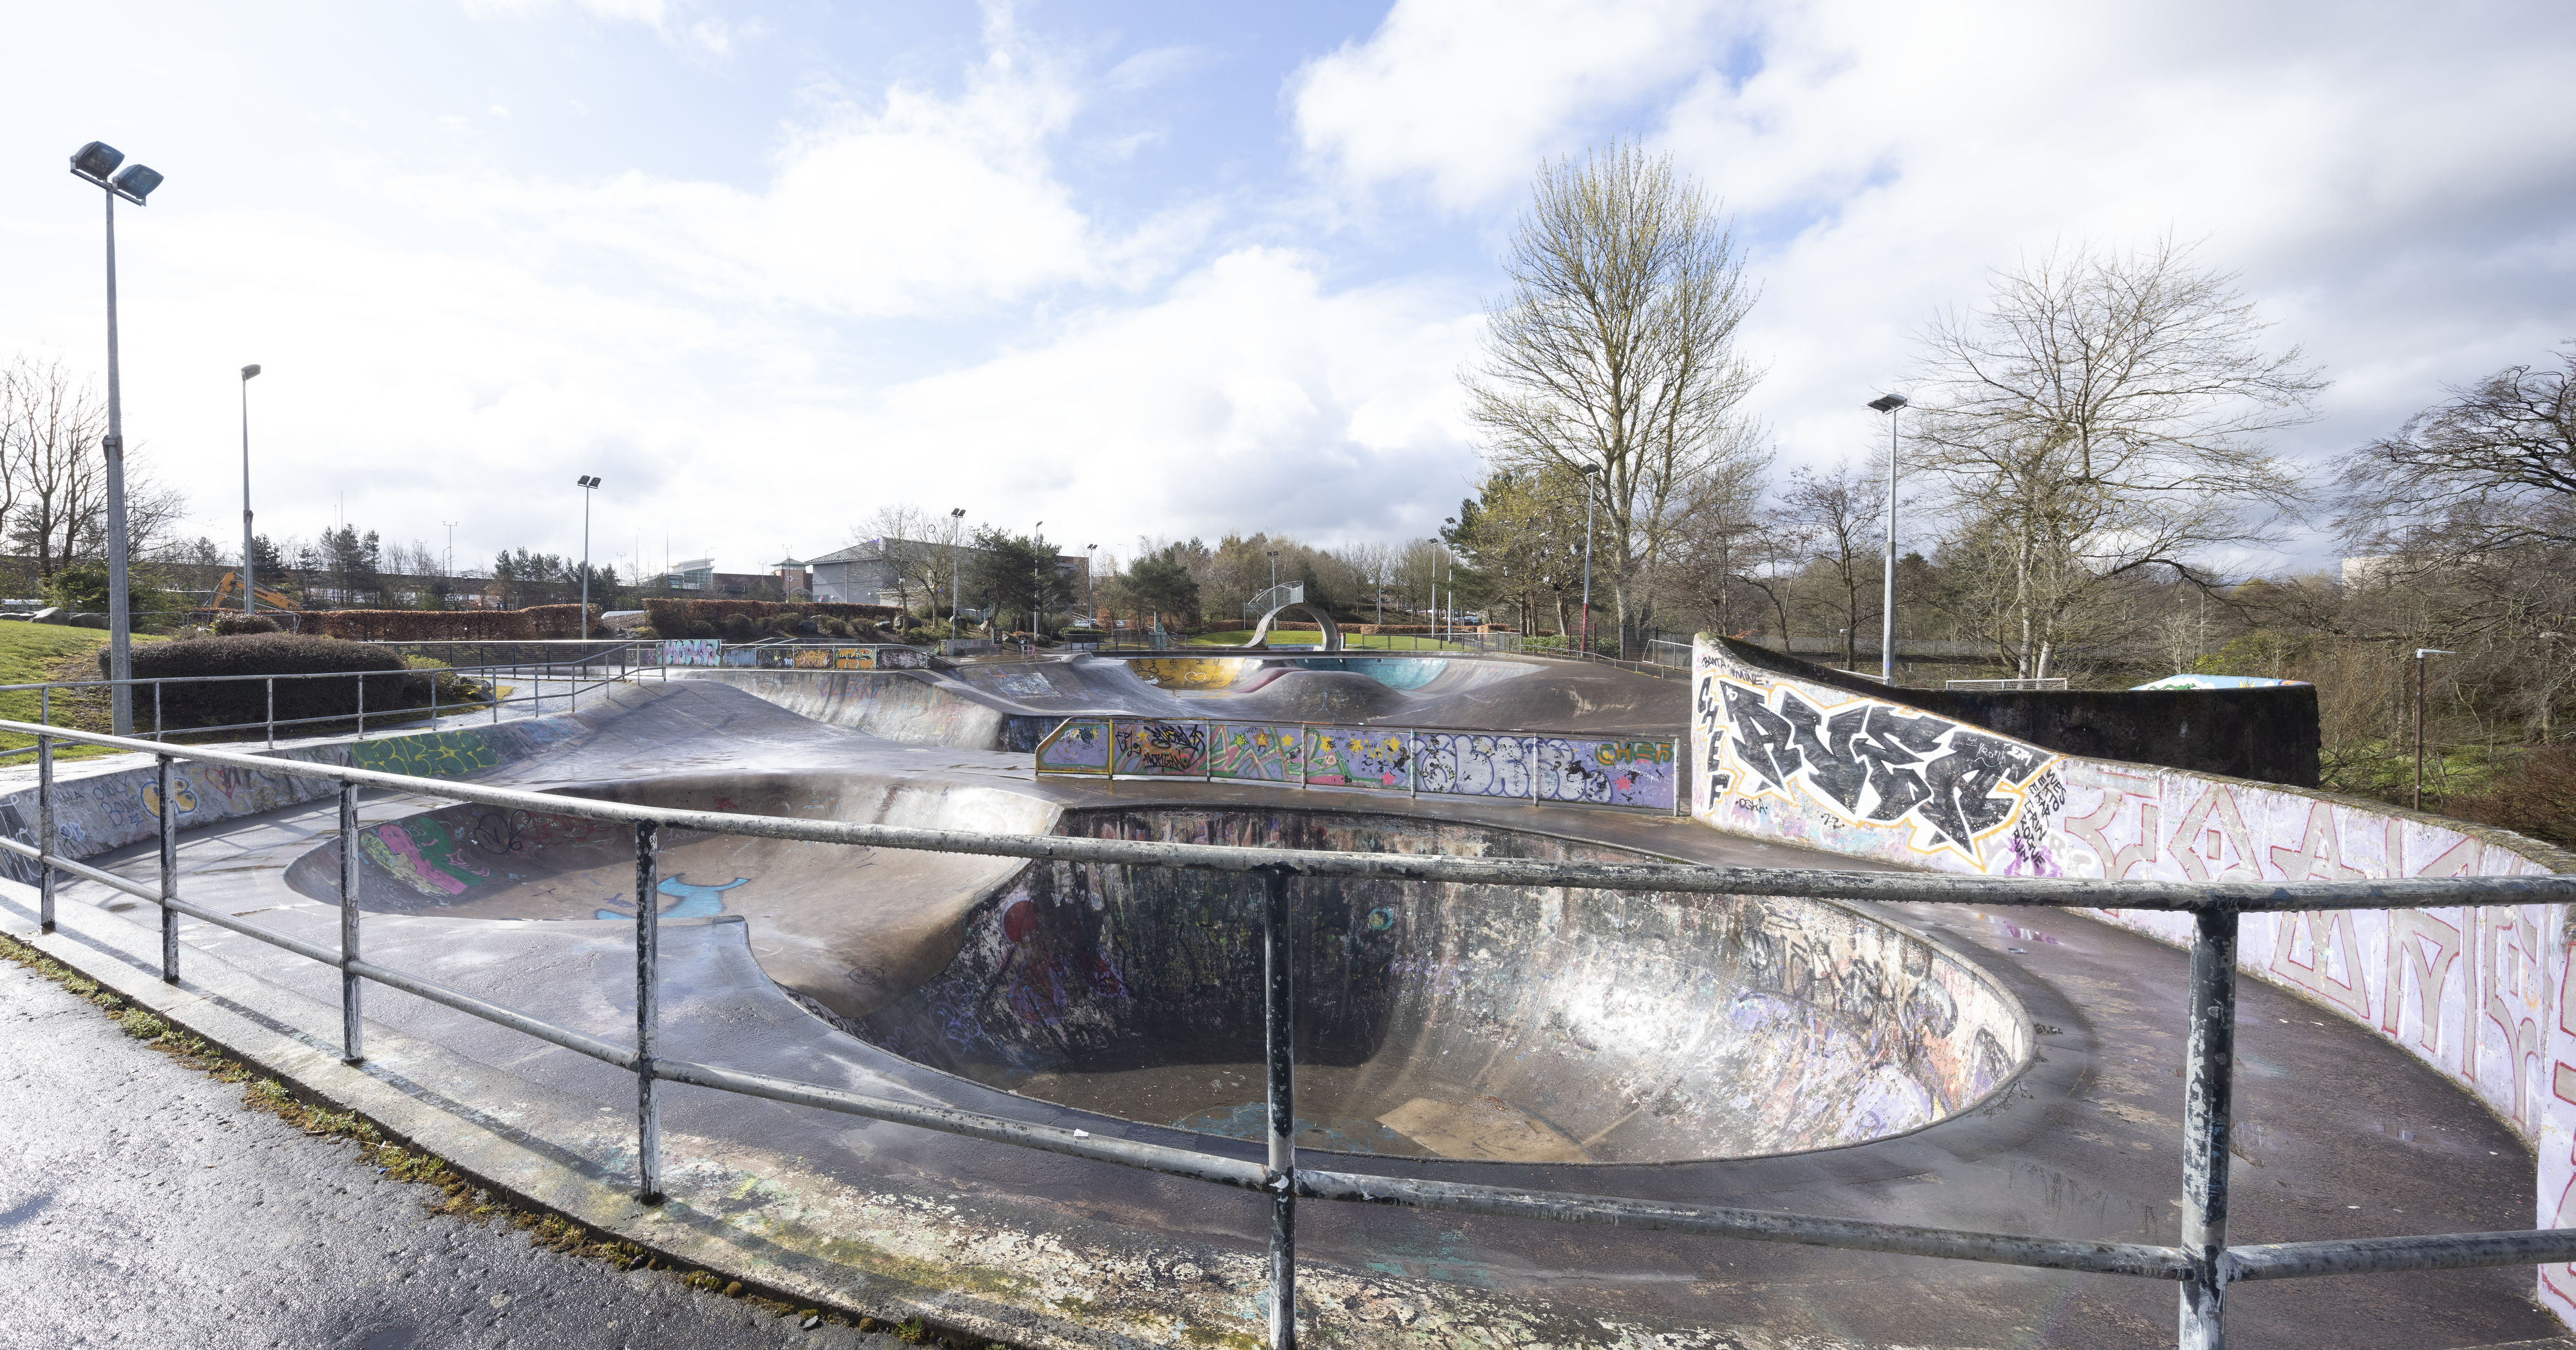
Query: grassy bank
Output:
(35,653)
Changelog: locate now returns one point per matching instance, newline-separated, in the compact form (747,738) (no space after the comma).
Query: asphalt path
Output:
(143,1204)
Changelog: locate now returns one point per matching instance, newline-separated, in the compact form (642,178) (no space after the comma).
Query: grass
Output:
(35,653)
(456,1195)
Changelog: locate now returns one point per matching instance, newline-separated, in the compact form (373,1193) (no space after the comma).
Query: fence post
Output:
(157,733)
(169,877)
(1279,1036)
(433,699)
(45,840)
(648,947)
(2207,1111)
(362,707)
(352,1049)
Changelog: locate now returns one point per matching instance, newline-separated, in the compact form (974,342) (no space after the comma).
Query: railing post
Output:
(1279,1036)
(272,712)
(157,733)
(352,1049)
(2207,1114)
(362,707)
(45,840)
(169,877)
(648,945)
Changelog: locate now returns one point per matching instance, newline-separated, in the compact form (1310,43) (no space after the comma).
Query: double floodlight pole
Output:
(97,164)
(250,560)
(1591,497)
(588,484)
(1888,404)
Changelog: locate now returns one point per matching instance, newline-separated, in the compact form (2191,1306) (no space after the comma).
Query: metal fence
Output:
(2203,1265)
(577,673)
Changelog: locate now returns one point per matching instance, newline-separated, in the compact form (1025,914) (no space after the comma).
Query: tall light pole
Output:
(250,559)
(94,163)
(1037,578)
(1090,559)
(2420,654)
(1590,497)
(588,485)
(956,573)
(1888,404)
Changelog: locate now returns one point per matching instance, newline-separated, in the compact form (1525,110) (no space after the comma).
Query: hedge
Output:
(682,618)
(431,625)
(238,701)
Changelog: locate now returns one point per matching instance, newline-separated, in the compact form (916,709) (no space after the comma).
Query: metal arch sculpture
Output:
(1332,631)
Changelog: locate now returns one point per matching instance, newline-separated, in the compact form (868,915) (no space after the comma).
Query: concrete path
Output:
(141,1204)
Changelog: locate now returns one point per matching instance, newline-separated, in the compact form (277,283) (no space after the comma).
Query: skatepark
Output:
(1950,1064)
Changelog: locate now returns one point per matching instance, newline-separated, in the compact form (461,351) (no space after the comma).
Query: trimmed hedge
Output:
(432,625)
(707,618)
(238,701)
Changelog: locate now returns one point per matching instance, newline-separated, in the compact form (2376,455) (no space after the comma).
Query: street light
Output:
(956,574)
(588,485)
(1090,558)
(96,163)
(250,560)
(1449,566)
(1037,579)
(1587,471)
(2420,654)
(1888,404)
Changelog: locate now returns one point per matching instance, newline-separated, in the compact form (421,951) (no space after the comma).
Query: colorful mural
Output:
(1256,752)
(1627,772)
(692,652)
(1081,745)
(437,754)
(2481,994)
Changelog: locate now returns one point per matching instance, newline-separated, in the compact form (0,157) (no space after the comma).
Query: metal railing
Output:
(2202,1264)
(576,676)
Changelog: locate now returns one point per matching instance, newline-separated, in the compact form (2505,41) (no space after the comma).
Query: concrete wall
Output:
(2480,994)
(2269,735)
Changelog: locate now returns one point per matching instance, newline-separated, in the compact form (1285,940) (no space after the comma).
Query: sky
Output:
(1172,269)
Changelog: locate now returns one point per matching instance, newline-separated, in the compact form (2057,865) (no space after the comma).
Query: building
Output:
(698,578)
(902,572)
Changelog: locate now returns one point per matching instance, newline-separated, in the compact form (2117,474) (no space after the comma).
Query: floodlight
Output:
(96,160)
(250,370)
(136,182)
(1888,403)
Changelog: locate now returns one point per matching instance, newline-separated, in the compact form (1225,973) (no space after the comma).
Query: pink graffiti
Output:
(400,842)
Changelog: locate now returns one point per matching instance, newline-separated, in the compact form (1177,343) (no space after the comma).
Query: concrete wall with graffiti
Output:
(762,656)
(2480,994)
(100,808)
(1596,771)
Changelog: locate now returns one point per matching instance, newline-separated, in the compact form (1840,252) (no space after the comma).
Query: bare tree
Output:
(2493,466)
(2103,414)
(1615,350)
(1831,513)
(915,560)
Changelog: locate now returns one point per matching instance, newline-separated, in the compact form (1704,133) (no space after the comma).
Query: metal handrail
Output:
(545,670)
(2202,1264)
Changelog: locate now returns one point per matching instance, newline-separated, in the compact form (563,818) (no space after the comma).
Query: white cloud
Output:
(1464,96)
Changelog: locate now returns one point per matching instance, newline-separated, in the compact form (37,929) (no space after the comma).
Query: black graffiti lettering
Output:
(1921,734)
(1764,740)
(1899,791)
(1963,781)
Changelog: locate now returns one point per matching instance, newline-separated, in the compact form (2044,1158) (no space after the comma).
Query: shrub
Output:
(235,702)
(424,625)
(229,625)
(702,618)
(2536,797)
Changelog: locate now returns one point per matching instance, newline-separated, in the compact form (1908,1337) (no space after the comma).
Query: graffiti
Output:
(1189,672)
(1080,745)
(692,652)
(1470,764)
(1607,772)
(421,854)
(1870,762)
(1359,757)
(1255,752)
(695,902)
(181,791)
(437,754)
(1162,749)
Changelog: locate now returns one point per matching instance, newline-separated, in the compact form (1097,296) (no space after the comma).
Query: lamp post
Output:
(1888,404)
(1090,558)
(1037,579)
(1449,572)
(2420,654)
(588,485)
(1589,499)
(956,574)
(250,559)
(96,163)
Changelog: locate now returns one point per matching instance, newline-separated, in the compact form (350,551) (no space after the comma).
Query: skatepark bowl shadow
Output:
(1434,1019)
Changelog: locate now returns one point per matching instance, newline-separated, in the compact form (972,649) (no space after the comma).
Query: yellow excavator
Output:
(228,595)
